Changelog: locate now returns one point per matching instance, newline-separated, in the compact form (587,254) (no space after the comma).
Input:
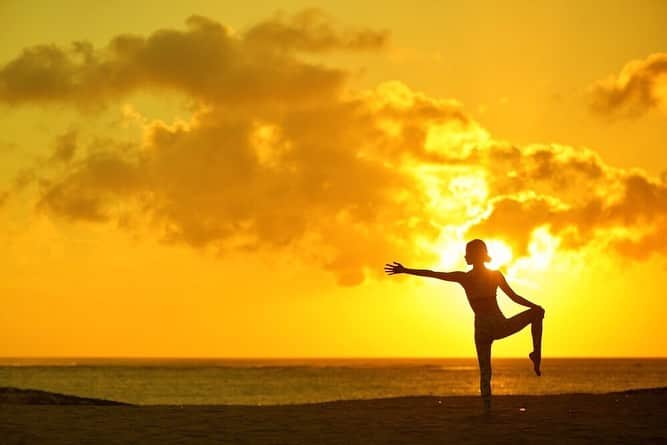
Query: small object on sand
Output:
(439,402)
(522,409)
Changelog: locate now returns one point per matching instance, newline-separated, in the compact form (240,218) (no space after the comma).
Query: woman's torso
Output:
(480,287)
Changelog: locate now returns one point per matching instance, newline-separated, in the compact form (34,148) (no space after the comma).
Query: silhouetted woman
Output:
(480,286)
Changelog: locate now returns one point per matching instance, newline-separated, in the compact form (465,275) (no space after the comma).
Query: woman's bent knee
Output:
(538,312)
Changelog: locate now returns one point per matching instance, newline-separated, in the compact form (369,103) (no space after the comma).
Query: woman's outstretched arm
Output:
(502,283)
(396,268)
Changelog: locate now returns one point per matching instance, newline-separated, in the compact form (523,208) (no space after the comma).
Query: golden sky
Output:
(209,179)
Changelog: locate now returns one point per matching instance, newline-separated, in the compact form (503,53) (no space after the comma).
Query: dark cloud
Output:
(640,86)
(88,189)
(207,61)
(65,147)
(239,182)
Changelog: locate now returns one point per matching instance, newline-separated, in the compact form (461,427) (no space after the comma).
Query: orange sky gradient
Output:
(211,180)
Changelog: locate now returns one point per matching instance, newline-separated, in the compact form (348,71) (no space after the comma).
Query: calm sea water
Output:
(225,381)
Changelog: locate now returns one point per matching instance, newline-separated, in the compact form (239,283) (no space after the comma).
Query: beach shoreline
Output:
(635,416)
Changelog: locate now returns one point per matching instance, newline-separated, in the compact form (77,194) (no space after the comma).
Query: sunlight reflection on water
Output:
(299,381)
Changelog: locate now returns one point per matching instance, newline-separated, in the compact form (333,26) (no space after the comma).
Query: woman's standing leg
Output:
(483,347)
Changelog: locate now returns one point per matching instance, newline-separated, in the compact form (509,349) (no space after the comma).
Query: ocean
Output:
(289,381)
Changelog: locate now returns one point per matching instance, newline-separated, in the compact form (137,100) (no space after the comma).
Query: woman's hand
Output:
(392,269)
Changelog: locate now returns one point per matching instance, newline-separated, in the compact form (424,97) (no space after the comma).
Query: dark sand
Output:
(624,418)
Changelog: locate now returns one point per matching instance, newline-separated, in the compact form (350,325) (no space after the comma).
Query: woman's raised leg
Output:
(532,316)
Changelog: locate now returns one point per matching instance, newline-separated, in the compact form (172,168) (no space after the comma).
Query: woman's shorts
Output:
(489,328)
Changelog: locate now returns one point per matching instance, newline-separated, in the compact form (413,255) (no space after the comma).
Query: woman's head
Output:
(477,253)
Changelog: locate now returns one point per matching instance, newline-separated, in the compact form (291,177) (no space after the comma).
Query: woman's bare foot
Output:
(536,359)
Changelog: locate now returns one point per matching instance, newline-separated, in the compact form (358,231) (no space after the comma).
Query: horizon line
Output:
(137,357)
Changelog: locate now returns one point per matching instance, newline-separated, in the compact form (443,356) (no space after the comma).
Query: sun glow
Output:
(451,252)
(472,190)
(500,253)
(543,247)
(541,251)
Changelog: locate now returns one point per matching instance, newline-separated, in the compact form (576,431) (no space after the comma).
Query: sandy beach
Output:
(627,417)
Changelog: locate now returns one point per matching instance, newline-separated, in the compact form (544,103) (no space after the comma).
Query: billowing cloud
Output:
(280,155)
(640,86)
(331,179)
(207,61)
(571,191)
(631,222)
